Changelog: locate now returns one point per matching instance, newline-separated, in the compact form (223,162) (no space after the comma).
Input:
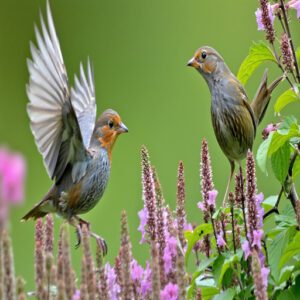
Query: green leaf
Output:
(291,250)
(209,292)
(285,126)
(226,295)
(298,55)
(258,53)
(278,140)
(194,236)
(280,161)
(284,99)
(285,274)
(296,168)
(269,203)
(221,265)
(277,249)
(262,153)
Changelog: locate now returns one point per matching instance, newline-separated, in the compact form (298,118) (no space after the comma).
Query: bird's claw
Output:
(100,241)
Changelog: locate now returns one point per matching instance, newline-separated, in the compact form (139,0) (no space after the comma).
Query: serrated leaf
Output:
(284,99)
(262,153)
(258,53)
(292,249)
(280,161)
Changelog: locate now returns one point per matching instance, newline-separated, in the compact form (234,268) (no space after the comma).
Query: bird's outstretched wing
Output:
(57,120)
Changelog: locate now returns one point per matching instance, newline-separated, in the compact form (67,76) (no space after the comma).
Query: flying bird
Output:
(234,119)
(76,148)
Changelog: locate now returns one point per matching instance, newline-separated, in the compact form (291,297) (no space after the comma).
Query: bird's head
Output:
(207,61)
(108,127)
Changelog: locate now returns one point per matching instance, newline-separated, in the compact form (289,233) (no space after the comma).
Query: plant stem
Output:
(233,228)
(214,229)
(290,38)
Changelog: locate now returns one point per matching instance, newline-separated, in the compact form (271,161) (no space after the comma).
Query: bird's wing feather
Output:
(84,103)
(52,117)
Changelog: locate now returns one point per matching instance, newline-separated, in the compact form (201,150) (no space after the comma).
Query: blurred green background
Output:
(139,50)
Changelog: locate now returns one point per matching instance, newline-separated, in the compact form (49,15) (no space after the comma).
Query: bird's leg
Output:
(228,183)
(100,241)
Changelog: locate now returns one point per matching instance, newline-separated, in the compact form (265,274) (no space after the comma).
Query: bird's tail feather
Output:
(35,213)
(263,96)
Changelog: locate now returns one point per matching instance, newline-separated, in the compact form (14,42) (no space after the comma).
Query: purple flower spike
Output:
(170,292)
(259,20)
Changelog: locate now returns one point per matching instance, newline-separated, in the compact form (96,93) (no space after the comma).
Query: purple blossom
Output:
(257,236)
(188,227)
(12,173)
(136,271)
(295,4)
(76,295)
(170,292)
(146,283)
(201,206)
(168,260)
(113,286)
(212,195)
(258,15)
(264,274)
(270,128)
(220,240)
(143,215)
(246,249)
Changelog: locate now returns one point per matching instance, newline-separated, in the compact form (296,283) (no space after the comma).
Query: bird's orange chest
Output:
(107,141)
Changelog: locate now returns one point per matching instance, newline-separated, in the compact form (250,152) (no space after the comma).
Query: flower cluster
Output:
(12,177)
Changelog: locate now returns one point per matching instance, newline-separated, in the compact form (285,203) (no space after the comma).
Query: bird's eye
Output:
(203,54)
(110,124)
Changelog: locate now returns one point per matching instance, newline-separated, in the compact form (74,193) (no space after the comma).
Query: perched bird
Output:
(75,147)
(234,119)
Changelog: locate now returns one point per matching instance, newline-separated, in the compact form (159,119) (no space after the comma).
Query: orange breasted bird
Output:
(76,148)
(234,119)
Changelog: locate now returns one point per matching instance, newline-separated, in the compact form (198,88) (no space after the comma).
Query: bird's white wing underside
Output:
(48,93)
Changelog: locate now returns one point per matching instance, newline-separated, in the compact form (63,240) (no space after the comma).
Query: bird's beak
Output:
(193,63)
(122,128)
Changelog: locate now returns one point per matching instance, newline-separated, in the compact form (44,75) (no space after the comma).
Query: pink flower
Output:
(264,274)
(113,286)
(12,173)
(136,271)
(257,235)
(188,227)
(167,260)
(212,195)
(146,283)
(258,14)
(246,249)
(220,240)
(143,215)
(76,295)
(170,292)
(201,205)
(295,4)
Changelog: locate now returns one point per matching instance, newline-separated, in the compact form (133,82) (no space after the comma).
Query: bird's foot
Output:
(100,241)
